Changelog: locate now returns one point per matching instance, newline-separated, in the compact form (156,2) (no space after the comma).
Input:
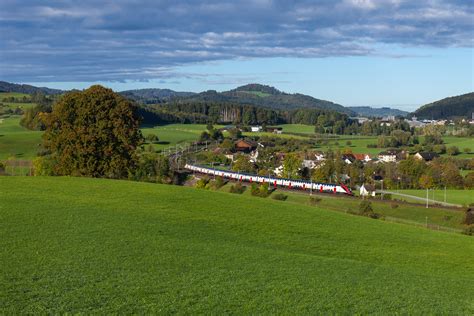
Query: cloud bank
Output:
(141,40)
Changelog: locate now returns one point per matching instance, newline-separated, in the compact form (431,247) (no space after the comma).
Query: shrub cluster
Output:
(279,196)
(237,188)
(260,190)
(365,209)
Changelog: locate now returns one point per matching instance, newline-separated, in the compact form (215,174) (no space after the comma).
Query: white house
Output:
(367,190)
(255,128)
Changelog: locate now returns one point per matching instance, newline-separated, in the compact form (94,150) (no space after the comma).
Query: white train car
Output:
(272,181)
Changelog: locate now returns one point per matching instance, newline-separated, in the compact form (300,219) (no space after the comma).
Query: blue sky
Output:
(353,52)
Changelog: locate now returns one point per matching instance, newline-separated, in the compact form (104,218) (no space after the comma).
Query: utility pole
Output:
(427,198)
(311,187)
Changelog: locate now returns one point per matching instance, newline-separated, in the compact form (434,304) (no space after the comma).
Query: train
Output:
(272,181)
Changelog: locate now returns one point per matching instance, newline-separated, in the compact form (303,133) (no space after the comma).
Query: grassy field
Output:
(4,95)
(410,214)
(462,197)
(173,134)
(16,141)
(76,245)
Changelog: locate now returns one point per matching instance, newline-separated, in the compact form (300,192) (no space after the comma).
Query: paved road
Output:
(419,198)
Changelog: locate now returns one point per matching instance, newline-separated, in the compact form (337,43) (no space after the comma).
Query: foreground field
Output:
(100,246)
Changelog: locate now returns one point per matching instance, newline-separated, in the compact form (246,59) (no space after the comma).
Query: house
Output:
(245,145)
(392,155)
(274,130)
(310,164)
(348,158)
(367,190)
(319,156)
(362,157)
(426,156)
(255,129)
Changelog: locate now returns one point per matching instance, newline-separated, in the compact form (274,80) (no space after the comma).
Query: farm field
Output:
(17,141)
(409,214)
(173,134)
(463,197)
(78,245)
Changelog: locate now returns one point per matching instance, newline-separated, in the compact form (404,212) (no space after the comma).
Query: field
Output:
(16,141)
(463,197)
(437,218)
(76,245)
(173,134)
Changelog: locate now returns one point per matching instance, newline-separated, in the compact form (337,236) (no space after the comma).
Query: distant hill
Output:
(265,96)
(458,106)
(376,112)
(150,96)
(25,88)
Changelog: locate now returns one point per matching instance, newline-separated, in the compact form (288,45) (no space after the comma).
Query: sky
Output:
(398,53)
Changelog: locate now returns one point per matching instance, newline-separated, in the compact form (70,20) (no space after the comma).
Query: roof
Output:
(247,143)
(360,156)
(369,187)
(428,155)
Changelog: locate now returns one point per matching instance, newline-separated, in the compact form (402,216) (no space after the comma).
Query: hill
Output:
(150,96)
(376,112)
(78,245)
(265,96)
(27,89)
(452,107)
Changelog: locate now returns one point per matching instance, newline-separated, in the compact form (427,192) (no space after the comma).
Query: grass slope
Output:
(82,245)
(16,141)
(452,196)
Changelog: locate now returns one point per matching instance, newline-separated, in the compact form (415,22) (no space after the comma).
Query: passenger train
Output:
(275,182)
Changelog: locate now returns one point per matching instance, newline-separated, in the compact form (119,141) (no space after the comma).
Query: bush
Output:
(365,209)
(371,145)
(453,151)
(237,188)
(393,205)
(469,230)
(43,166)
(217,184)
(202,183)
(313,200)
(260,190)
(468,216)
(279,197)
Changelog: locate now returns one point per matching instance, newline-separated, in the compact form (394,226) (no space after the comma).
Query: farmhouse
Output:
(426,156)
(392,155)
(362,157)
(245,145)
(367,190)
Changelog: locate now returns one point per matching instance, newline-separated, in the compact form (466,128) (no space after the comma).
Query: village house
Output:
(363,157)
(426,156)
(392,155)
(348,158)
(245,145)
(367,190)
(255,129)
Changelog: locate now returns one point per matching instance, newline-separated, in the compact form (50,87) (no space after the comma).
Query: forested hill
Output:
(25,88)
(153,96)
(265,96)
(376,112)
(458,106)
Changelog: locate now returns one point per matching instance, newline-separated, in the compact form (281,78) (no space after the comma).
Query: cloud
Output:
(141,40)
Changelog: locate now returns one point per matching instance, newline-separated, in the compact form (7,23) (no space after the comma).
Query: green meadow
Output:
(462,197)
(78,245)
(437,217)
(17,141)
